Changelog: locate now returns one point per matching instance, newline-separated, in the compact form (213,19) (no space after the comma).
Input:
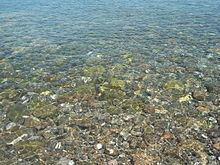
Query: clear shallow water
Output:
(121,54)
(38,34)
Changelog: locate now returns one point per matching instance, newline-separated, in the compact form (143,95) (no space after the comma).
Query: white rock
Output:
(10,126)
(113,162)
(98,146)
(65,161)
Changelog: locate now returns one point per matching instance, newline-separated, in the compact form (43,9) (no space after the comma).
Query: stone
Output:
(31,121)
(202,109)
(30,146)
(98,146)
(193,145)
(43,110)
(65,161)
(3,61)
(200,94)
(117,83)
(113,110)
(18,139)
(214,133)
(167,136)
(94,70)
(217,51)
(45,93)
(145,158)
(213,88)
(111,151)
(174,84)
(84,92)
(16,112)
(134,104)
(113,162)
(111,94)
(185,98)
(11,126)
(217,145)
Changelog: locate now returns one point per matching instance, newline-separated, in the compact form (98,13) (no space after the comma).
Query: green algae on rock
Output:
(117,83)
(113,110)
(43,110)
(94,70)
(134,104)
(30,146)
(15,112)
(111,94)
(174,84)
(217,51)
(84,92)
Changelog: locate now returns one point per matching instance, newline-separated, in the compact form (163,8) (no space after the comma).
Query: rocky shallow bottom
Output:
(133,111)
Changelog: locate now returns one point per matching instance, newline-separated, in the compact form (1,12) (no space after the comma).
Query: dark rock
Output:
(214,133)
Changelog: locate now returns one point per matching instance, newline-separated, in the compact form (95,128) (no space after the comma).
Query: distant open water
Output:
(34,32)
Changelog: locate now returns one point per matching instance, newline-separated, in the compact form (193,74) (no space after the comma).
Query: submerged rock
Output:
(30,146)
(117,83)
(111,94)
(217,145)
(142,157)
(213,88)
(134,104)
(31,121)
(65,161)
(200,94)
(113,110)
(203,109)
(193,145)
(217,51)
(174,84)
(43,110)
(185,98)
(94,70)
(84,92)
(15,112)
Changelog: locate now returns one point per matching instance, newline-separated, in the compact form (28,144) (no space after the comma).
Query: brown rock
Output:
(167,136)
(200,94)
(145,158)
(203,109)
(32,122)
(217,145)
(113,162)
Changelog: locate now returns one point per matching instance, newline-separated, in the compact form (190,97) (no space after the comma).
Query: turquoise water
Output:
(65,59)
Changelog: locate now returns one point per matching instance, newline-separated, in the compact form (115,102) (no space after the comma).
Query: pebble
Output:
(125,135)
(65,161)
(20,138)
(200,94)
(111,151)
(10,126)
(217,145)
(214,133)
(203,109)
(213,120)
(98,146)
(128,117)
(113,162)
